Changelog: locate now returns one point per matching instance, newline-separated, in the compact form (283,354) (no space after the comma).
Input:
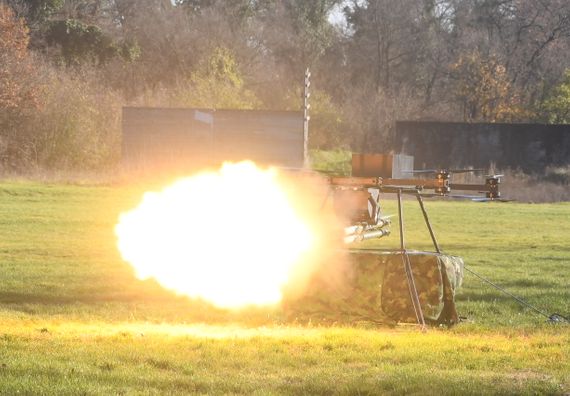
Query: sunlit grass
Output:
(74,319)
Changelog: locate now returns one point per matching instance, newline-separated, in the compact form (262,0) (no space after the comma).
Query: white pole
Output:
(306,118)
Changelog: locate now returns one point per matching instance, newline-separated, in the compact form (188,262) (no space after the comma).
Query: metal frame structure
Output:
(373,227)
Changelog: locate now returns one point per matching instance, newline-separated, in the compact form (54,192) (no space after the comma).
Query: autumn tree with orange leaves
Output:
(484,90)
(16,69)
(19,89)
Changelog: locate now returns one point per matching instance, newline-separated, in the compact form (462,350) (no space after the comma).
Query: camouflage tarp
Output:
(371,286)
(436,277)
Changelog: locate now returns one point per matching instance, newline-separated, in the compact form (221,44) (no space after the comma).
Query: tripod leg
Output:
(428,223)
(408,268)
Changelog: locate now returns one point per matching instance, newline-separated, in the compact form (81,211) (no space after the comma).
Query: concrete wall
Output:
(530,147)
(194,138)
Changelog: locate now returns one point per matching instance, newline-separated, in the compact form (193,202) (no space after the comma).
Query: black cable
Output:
(555,318)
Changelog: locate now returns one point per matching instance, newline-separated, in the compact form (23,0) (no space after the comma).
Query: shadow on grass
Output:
(533,285)
(495,296)
(530,283)
(45,299)
(163,308)
(556,259)
(472,296)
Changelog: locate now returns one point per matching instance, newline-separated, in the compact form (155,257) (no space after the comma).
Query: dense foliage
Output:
(67,66)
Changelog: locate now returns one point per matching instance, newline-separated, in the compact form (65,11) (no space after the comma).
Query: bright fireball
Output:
(231,237)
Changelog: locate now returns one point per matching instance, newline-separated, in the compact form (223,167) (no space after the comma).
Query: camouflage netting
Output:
(372,287)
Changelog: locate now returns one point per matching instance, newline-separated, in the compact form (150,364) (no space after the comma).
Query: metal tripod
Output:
(406,258)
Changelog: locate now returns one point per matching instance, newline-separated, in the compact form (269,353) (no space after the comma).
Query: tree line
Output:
(67,67)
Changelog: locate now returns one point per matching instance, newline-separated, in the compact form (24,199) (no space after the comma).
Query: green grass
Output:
(74,320)
(337,161)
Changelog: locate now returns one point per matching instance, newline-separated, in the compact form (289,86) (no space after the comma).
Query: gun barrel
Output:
(357,229)
(366,235)
(375,234)
(361,228)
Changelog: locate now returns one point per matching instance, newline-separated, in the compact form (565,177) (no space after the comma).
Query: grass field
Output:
(74,320)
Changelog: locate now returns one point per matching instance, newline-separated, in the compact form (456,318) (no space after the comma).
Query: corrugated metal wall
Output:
(193,138)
